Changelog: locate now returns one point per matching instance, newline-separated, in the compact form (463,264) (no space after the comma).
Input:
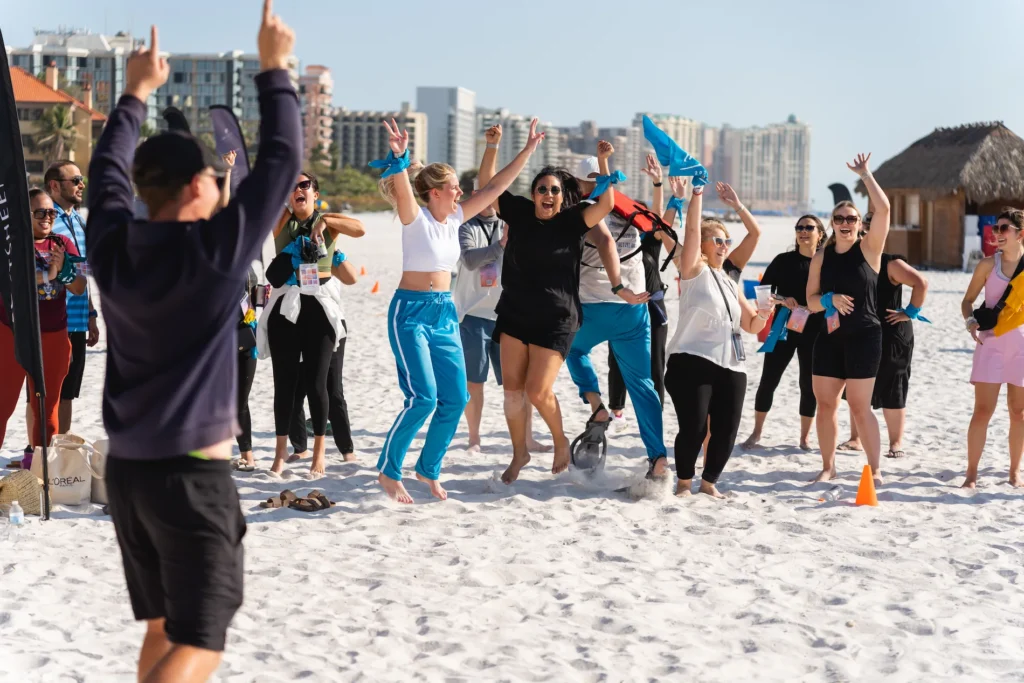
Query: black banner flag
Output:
(228,135)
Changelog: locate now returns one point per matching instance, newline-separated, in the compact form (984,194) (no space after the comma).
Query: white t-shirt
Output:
(704,328)
(431,246)
(595,287)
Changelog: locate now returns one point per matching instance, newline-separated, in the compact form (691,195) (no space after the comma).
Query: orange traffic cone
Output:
(866,491)
(362,271)
(376,288)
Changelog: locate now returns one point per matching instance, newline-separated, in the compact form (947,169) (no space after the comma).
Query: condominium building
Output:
(452,125)
(316,90)
(515,132)
(768,166)
(361,136)
(581,141)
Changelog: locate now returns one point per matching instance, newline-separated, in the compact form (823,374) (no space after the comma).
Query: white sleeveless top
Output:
(703,328)
(429,246)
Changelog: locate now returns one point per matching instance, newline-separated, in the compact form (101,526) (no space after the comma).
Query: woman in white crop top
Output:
(706,377)
(423,327)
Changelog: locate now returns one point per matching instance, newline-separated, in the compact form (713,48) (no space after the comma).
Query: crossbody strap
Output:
(721,290)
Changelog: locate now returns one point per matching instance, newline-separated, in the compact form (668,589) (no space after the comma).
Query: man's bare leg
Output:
(474,413)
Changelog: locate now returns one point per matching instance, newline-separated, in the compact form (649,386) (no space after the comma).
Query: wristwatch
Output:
(968,322)
(618,288)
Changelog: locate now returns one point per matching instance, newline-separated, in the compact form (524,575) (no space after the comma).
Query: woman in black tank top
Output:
(843,282)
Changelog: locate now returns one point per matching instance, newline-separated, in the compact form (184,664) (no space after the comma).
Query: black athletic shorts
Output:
(853,355)
(180,529)
(73,380)
(557,337)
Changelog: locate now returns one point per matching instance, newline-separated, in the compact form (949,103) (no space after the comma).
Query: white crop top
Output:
(704,328)
(429,246)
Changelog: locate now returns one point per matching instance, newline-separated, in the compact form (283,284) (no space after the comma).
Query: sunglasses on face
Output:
(45,214)
(77,180)
(555,190)
(849,220)
(1001,228)
(303,185)
(806,228)
(720,241)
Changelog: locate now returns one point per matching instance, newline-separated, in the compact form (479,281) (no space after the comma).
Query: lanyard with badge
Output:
(737,340)
(489,271)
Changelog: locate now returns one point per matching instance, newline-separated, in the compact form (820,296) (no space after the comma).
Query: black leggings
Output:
(700,390)
(617,387)
(775,364)
(337,409)
(246,373)
(311,340)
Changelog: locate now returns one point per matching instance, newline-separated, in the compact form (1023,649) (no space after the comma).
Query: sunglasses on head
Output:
(77,180)
(849,220)
(303,185)
(43,214)
(720,241)
(806,228)
(555,190)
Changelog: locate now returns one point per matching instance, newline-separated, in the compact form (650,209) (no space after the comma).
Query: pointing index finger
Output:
(268,10)
(153,39)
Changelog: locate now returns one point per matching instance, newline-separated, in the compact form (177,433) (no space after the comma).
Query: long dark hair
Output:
(572,194)
(822,234)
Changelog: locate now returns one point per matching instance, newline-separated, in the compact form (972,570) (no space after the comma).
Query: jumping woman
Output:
(999,355)
(843,282)
(539,310)
(423,326)
(706,377)
(787,275)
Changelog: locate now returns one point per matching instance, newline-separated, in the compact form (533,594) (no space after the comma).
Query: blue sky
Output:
(868,76)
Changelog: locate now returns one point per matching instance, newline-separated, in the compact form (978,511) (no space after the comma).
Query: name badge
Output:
(798,319)
(489,275)
(309,278)
(832,322)
(737,347)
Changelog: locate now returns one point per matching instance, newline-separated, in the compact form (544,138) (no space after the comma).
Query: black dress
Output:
(893,379)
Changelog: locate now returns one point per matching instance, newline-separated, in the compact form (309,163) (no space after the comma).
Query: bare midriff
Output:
(416,281)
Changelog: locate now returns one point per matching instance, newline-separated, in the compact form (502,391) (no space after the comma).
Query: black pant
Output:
(246,373)
(617,387)
(775,364)
(700,390)
(311,340)
(337,409)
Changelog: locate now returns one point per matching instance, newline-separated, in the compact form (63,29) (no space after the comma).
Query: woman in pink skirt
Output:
(999,359)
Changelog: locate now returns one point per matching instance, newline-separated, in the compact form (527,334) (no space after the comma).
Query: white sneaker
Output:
(619,423)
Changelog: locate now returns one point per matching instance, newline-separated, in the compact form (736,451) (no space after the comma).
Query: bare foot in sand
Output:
(708,489)
(473,449)
(435,487)
(519,461)
(684,488)
(851,445)
(1015,480)
(753,441)
(535,446)
(825,475)
(295,457)
(278,465)
(805,446)
(562,458)
(660,469)
(349,457)
(395,489)
(319,466)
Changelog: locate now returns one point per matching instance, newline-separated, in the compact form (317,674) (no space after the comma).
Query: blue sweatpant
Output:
(424,333)
(627,329)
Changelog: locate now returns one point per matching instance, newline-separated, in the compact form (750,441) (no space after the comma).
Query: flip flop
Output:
(589,450)
(895,454)
(845,446)
(241,466)
(324,501)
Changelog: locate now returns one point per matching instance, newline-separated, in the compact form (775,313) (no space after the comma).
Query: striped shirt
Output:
(72,226)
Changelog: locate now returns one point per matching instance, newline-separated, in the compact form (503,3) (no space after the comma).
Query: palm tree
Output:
(56,133)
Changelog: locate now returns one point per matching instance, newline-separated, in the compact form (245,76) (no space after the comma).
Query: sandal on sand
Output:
(240,465)
(895,454)
(324,501)
(848,446)
(589,449)
(284,500)
(311,503)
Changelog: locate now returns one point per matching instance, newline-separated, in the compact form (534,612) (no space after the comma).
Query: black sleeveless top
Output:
(850,274)
(890,297)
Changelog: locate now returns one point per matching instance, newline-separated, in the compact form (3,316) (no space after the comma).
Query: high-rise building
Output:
(581,141)
(515,132)
(769,167)
(452,125)
(361,136)
(81,58)
(316,88)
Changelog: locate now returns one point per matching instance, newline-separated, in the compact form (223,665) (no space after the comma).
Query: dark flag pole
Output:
(17,259)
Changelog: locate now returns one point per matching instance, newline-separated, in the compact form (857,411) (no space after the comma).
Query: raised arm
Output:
(499,182)
(489,161)
(473,256)
(688,259)
(678,185)
(598,211)
(873,243)
(111,198)
(741,255)
(653,171)
(404,198)
(225,195)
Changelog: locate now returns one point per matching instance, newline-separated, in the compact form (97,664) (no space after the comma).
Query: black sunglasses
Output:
(303,185)
(77,180)
(1000,228)
(849,220)
(43,214)
(806,228)
(555,190)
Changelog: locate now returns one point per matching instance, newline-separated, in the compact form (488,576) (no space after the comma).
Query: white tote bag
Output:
(70,469)
(99,468)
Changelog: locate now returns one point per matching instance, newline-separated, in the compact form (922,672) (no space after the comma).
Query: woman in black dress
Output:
(787,275)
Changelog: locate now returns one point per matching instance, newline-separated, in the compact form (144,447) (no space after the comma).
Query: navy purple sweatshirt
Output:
(170,290)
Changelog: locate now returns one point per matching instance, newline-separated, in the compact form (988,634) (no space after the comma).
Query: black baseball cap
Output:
(172,159)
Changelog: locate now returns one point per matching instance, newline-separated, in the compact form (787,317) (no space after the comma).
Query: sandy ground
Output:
(561,579)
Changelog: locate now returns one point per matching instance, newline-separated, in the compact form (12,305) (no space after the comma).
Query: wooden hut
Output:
(939,185)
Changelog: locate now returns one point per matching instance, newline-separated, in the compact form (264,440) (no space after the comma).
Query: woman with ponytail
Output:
(423,326)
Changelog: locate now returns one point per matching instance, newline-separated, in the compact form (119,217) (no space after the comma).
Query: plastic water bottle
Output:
(17,515)
(833,494)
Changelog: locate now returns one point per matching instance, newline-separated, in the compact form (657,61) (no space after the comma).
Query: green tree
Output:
(334,152)
(318,157)
(146,131)
(55,133)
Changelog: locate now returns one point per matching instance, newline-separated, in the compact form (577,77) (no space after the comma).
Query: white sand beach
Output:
(562,579)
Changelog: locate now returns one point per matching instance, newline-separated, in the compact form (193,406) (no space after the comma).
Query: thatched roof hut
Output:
(975,169)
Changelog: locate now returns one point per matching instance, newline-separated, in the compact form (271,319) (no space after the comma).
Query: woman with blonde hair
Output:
(706,377)
(423,326)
